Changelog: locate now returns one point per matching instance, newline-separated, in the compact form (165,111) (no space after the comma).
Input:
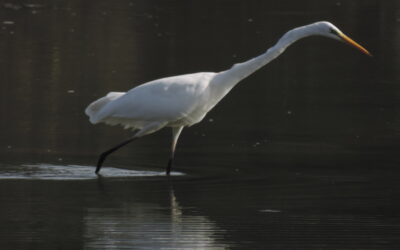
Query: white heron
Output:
(183,100)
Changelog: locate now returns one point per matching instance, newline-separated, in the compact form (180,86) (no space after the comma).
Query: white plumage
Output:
(173,100)
(184,100)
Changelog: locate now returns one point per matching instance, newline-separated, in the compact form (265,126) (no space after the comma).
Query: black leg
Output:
(168,170)
(176,131)
(104,155)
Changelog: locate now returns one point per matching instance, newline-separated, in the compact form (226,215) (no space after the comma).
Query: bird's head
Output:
(327,29)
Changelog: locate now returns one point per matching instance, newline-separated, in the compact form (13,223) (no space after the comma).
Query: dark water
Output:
(301,155)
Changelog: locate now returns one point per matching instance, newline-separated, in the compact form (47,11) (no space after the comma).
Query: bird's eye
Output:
(331,30)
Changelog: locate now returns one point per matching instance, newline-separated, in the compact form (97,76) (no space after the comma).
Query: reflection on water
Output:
(145,226)
(291,210)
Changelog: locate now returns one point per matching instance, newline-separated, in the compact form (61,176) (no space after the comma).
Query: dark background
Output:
(59,56)
(303,154)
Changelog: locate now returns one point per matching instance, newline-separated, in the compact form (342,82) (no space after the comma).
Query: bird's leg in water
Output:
(169,165)
(176,131)
(104,155)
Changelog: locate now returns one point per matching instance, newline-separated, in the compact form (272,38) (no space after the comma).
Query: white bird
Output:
(184,100)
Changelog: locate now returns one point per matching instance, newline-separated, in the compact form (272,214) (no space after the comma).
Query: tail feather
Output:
(95,107)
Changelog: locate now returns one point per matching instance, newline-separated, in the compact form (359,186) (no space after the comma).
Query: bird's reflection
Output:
(149,223)
(176,210)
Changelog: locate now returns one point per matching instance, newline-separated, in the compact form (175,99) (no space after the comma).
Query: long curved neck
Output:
(229,78)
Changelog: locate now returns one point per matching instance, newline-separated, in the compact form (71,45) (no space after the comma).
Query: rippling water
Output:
(290,208)
(301,155)
(70,172)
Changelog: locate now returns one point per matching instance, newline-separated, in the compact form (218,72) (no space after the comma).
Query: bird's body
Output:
(184,100)
(174,101)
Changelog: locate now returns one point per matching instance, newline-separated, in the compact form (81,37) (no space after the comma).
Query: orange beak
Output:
(354,44)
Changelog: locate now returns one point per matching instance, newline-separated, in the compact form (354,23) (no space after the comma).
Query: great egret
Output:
(184,100)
